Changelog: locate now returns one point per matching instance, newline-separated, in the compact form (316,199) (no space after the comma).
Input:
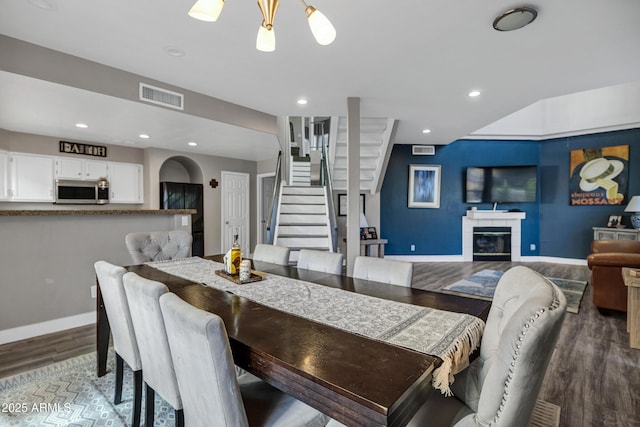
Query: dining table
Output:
(356,380)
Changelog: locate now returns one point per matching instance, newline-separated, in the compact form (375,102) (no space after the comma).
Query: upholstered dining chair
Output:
(158,245)
(382,270)
(212,394)
(271,253)
(124,339)
(500,387)
(158,373)
(326,262)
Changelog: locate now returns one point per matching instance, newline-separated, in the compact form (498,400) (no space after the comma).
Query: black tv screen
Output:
(501,184)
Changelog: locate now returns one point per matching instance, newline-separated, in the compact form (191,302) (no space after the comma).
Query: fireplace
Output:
(492,243)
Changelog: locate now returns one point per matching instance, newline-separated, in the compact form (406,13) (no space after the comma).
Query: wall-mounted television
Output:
(501,184)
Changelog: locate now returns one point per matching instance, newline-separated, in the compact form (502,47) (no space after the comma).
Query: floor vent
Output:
(163,97)
(423,150)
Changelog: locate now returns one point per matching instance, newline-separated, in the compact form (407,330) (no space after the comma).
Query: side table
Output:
(365,246)
(633,306)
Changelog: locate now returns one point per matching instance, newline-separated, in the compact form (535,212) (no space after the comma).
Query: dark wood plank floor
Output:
(594,375)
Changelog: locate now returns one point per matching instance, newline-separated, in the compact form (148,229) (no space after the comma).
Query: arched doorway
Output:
(181,188)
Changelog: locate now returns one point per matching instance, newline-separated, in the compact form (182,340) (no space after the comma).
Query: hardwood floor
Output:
(594,376)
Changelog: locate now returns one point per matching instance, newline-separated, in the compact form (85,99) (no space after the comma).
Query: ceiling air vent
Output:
(161,96)
(423,150)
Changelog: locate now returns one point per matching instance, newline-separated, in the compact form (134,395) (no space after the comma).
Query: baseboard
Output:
(48,327)
(458,258)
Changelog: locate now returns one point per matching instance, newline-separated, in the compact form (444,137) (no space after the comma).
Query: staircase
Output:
(300,171)
(303,219)
(375,149)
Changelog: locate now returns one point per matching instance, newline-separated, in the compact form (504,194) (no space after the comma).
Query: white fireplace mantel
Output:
(490,218)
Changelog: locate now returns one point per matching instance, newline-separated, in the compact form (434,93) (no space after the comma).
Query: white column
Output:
(353,182)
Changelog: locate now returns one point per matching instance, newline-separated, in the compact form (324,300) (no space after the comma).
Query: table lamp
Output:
(634,206)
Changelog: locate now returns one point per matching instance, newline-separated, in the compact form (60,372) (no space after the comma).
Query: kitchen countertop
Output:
(51,212)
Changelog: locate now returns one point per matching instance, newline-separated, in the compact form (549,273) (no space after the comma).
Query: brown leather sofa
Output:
(606,261)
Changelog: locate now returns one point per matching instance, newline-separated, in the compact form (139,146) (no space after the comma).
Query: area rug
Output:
(69,393)
(483,284)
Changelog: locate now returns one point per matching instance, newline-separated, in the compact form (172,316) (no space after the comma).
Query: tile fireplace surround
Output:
(488,218)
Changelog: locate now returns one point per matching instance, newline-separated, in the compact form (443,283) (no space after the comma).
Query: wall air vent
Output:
(423,150)
(162,97)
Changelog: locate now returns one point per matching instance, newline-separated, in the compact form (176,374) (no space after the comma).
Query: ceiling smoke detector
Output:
(515,19)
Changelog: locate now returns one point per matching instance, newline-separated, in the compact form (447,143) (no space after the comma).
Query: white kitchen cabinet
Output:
(125,183)
(31,177)
(4,175)
(72,168)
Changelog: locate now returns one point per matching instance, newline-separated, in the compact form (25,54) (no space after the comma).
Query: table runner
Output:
(450,336)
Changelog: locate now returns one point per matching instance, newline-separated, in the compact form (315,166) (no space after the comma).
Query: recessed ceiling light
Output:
(515,19)
(426,130)
(81,125)
(302,101)
(191,143)
(174,51)
(474,93)
(144,136)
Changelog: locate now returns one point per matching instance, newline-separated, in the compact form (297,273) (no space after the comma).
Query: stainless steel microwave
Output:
(90,192)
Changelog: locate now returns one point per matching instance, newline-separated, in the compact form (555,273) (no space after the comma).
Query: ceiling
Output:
(414,61)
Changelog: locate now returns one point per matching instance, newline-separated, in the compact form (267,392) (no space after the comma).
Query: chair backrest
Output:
(204,365)
(326,262)
(519,338)
(115,303)
(271,253)
(158,245)
(382,270)
(143,296)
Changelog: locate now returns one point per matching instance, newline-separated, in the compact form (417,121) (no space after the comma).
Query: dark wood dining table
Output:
(353,379)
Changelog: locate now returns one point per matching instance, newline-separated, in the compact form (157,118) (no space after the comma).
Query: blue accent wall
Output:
(556,228)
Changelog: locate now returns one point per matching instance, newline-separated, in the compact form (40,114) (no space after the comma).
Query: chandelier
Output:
(321,28)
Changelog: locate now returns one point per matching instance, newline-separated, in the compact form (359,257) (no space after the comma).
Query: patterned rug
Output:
(483,284)
(69,393)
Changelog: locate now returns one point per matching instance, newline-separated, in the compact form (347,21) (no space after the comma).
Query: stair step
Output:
(313,191)
(286,229)
(303,199)
(303,208)
(299,219)
(303,242)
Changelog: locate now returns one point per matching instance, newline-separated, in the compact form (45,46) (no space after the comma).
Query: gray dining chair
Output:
(124,339)
(271,253)
(501,386)
(326,262)
(158,245)
(212,394)
(143,296)
(383,270)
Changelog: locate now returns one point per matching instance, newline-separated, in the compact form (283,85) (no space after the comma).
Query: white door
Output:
(266,183)
(235,210)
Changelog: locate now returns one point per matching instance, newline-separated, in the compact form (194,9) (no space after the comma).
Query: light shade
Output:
(266,40)
(321,28)
(634,205)
(206,10)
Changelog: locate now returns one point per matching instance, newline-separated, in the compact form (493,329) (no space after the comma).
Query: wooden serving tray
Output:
(235,278)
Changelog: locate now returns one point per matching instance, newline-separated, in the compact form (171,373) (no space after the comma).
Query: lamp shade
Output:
(322,30)
(634,205)
(266,40)
(206,10)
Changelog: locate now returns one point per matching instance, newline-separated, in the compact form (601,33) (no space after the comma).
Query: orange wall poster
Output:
(599,176)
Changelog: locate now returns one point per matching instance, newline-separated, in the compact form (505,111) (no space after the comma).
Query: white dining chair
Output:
(271,253)
(501,386)
(158,373)
(124,339)
(158,245)
(212,394)
(326,262)
(383,270)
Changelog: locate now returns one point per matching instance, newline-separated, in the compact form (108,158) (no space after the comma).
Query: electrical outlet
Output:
(532,247)
(413,248)
(94,292)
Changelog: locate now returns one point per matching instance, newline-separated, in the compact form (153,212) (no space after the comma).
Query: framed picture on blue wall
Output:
(424,186)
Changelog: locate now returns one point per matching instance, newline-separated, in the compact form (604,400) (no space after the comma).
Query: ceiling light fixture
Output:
(81,125)
(302,101)
(192,144)
(515,19)
(474,93)
(144,136)
(321,28)
(426,130)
